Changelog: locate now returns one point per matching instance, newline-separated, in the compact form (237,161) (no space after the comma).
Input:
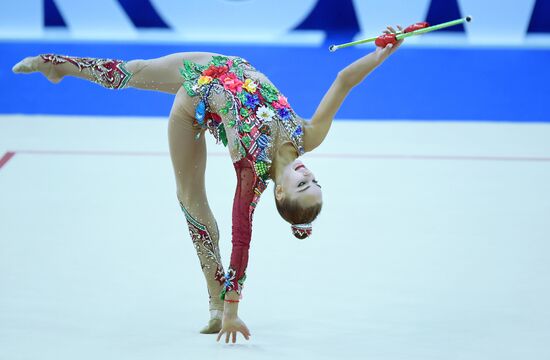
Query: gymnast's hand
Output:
(383,53)
(353,74)
(231,325)
(349,77)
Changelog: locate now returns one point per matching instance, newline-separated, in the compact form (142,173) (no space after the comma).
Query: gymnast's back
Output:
(175,62)
(238,105)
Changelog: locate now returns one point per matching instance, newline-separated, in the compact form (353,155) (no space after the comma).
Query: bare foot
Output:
(214,326)
(33,64)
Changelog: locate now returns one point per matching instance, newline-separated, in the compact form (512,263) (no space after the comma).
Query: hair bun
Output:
(301,231)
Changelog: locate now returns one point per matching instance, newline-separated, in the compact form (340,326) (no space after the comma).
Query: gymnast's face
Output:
(298,183)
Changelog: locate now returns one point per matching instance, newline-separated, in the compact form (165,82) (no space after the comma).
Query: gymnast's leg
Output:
(189,160)
(161,74)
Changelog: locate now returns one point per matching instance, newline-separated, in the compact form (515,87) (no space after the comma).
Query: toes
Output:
(24,66)
(19,67)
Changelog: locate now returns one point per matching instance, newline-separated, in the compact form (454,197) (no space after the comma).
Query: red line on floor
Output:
(93,152)
(319,155)
(7,156)
(105,153)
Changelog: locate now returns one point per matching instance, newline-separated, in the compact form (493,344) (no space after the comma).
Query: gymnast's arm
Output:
(317,129)
(244,203)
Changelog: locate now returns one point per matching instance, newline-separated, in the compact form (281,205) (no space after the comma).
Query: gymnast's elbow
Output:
(345,80)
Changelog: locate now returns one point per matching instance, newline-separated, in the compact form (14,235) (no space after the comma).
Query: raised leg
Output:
(188,156)
(161,74)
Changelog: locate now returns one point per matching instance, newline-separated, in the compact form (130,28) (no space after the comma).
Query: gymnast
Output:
(241,108)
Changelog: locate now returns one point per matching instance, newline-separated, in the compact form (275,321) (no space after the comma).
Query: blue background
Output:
(417,83)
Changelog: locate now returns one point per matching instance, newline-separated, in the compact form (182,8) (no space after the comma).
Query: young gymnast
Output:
(240,107)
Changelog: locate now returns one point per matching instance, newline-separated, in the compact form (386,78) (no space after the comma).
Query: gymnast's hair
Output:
(299,216)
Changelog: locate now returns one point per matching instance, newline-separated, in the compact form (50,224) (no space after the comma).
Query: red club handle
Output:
(417,26)
(383,40)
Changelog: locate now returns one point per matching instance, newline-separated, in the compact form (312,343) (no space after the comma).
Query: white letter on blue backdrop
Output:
(21,18)
(497,21)
(375,15)
(103,19)
(224,20)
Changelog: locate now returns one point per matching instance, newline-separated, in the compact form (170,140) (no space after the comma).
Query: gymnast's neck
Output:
(286,154)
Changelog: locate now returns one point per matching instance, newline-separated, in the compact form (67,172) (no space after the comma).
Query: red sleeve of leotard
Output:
(249,187)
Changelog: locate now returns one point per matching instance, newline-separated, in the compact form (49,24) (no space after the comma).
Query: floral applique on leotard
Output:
(250,112)
(257,107)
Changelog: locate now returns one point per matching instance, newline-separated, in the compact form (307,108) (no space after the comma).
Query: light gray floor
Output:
(433,243)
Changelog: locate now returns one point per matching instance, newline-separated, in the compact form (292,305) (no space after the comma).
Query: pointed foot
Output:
(33,64)
(25,66)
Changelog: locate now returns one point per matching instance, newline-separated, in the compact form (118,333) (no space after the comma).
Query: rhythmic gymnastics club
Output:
(402,35)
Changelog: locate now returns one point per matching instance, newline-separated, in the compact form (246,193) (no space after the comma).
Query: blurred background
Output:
(495,68)
(433,239)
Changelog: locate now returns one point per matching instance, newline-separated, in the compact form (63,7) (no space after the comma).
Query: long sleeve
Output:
(249,188)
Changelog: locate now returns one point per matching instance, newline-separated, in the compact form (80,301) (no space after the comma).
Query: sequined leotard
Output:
(245,112)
